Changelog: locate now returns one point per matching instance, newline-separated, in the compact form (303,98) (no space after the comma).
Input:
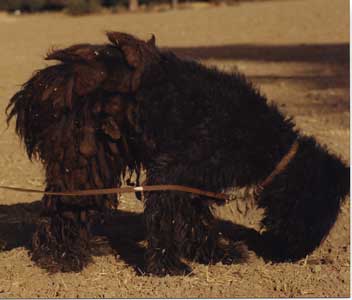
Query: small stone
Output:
(316,269)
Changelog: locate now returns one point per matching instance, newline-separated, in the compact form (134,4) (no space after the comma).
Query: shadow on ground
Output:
(123,231)
(322,53)
(334,57)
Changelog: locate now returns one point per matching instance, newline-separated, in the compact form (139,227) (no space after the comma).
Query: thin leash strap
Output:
(280,167)
(146,188)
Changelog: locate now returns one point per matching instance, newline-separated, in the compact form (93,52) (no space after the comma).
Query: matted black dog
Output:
(108,110)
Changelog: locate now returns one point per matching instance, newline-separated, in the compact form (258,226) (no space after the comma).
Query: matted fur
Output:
(127,105)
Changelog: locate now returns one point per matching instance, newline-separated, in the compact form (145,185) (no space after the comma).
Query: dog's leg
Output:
(201,240)
(181,225)
(75,159)
(164,217)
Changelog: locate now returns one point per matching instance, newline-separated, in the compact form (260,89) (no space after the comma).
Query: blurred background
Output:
(79,7)
(295,51)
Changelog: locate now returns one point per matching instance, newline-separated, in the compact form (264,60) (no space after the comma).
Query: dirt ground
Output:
(295,51)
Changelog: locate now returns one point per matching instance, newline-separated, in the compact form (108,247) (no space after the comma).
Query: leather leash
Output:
(280,167)
(146,188)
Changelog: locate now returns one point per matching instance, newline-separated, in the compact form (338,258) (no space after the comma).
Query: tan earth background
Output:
(295,51)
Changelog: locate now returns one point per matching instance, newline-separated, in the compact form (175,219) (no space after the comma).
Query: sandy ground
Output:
(295,51)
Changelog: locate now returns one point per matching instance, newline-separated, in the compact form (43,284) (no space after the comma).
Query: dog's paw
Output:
(60,245)
(228,253)
(60,262)
(234,253)
(167,266)
(161,271)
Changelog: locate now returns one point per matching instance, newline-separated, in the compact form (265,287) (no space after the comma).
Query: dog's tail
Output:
(302,204)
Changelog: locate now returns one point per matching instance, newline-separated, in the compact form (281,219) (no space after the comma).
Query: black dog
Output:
(110,109)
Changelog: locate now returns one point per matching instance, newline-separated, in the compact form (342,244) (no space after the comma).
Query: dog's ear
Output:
(75,53)
(138,54)
(152,41)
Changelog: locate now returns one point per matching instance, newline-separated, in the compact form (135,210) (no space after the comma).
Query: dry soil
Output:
(295,51)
